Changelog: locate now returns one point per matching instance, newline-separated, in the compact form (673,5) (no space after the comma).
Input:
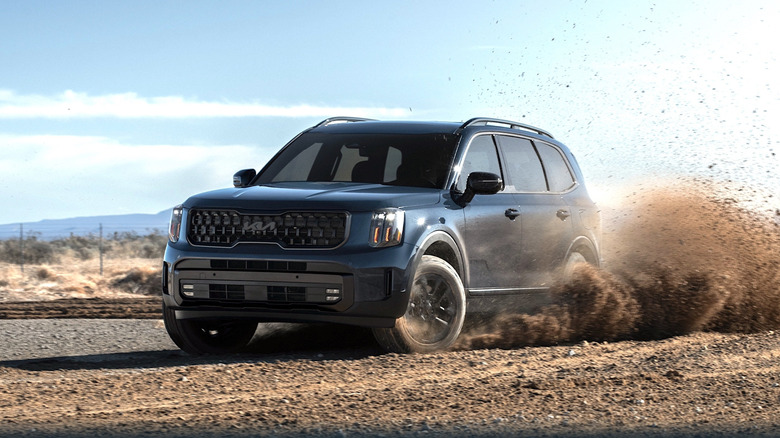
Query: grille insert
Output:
(259,292)
(226,292)
(292,294)
(296,229)
(257,265)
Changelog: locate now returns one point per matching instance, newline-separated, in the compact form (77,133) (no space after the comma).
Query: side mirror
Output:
(480,183)
(242,178)
(484,183)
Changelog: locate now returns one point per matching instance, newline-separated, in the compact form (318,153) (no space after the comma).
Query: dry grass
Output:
(73,277)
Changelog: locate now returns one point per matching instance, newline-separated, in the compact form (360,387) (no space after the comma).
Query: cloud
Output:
(57,176)
(71,104)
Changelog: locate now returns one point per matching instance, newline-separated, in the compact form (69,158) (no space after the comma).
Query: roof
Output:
(354,125)
(386,127)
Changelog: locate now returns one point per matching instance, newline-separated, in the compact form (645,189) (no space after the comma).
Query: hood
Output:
(315,196)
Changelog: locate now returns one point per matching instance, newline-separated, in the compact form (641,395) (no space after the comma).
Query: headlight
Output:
(387,228)
(175,225)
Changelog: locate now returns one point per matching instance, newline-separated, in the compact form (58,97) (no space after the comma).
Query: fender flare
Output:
(455,258)
(583,242)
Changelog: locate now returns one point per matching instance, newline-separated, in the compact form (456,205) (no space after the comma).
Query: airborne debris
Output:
(724,278)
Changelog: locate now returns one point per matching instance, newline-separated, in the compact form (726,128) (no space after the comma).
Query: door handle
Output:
(563,214)
(512,213)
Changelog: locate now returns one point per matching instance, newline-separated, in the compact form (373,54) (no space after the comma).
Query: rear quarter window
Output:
(559,176)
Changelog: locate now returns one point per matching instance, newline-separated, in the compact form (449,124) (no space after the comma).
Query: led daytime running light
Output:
(387,228)
(175,225)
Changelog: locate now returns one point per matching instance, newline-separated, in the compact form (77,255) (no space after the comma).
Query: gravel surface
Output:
(25,339)
(104,307)
(124,378)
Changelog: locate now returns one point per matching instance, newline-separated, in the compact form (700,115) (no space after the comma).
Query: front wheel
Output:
(435,314)
(208,337)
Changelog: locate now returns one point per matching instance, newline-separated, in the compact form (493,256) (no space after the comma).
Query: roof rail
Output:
(341,120)
(513,125)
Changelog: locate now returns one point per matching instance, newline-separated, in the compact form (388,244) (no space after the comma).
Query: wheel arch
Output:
(442,245)
(585,246)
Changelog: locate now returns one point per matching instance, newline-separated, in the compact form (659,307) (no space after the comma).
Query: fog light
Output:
(188,290)
(332,294)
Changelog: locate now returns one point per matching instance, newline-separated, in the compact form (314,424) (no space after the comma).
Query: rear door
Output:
(535,180)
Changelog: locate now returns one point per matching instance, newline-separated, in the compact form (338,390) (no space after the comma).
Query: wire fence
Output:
(50,230)
(27,245)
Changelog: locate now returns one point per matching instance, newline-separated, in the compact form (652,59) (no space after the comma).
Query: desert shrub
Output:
(9,251)
(81,247)
(117,245)
(149,251)
(44,273)
(134,245)
(144,281)
(35,251)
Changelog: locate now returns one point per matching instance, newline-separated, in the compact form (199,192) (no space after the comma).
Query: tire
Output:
(574,259)
(198,337)
(435,314)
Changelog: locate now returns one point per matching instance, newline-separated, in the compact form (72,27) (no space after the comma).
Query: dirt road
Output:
(686,275)
(135,308)
(703,384)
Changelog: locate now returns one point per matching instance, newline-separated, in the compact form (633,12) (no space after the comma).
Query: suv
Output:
(402,227)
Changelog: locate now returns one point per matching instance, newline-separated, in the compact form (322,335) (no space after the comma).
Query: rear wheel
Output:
(207,336)
(435,314)
(575,258)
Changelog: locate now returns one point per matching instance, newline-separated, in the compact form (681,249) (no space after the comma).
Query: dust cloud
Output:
(676,261)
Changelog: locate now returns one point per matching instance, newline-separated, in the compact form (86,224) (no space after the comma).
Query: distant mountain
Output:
(48,229)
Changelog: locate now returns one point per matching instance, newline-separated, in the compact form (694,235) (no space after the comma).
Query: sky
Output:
(131,107)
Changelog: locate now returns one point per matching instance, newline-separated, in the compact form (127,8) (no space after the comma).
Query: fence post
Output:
(21,247)
(100,249)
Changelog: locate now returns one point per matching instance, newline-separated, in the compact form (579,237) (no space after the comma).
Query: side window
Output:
(558,173)
(481,157)
(522,165)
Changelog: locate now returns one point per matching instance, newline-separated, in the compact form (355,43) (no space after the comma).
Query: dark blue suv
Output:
(403,227)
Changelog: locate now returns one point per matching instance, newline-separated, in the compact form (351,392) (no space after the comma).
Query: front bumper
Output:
(267,283)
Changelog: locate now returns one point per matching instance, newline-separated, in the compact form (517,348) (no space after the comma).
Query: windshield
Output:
(419,160)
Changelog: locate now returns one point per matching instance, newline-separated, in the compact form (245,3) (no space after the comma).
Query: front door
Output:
(492,231)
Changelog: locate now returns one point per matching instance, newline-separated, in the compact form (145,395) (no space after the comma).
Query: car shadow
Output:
(272,343)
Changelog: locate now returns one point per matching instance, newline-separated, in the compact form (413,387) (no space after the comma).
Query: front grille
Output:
(296,229)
